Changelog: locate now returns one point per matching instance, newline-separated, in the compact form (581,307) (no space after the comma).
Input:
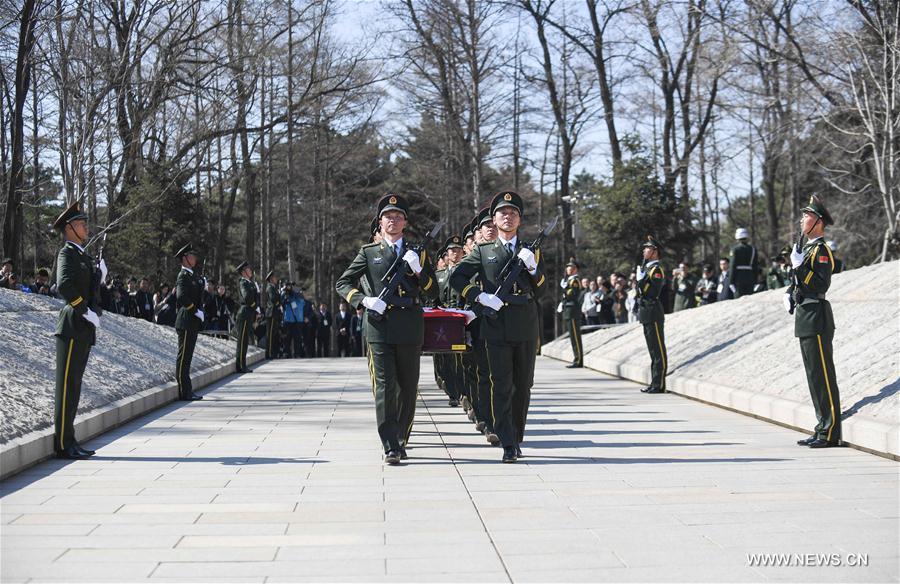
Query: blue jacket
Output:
(296,308)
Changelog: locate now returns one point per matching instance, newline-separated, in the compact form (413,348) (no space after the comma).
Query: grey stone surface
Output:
(131,355)
(276,477)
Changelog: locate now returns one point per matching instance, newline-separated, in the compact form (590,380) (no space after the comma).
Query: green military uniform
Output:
(453,364)
(481,386)
(74,335)
(814,326)
(685,286)
(650,284)
(777,277)
(395,339)
(248,300)
(442,278)
(743,268)
(188,294)
(571,314)
(274,314)
(512,337)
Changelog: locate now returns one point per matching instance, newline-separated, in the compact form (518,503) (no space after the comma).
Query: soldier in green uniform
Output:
(814,322)
(188,321)
(512,336)
(571,311)
(484,226)
(743,271)
(454,373)
(651,279)
(441,277)
(76,327)
(248,311)
(779,275)
(395,337)
(685,285)
(274,314)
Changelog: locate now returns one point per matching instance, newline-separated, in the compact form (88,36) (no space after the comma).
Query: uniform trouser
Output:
(273,338)
(187,340)
(468,376)
(394,370)
(573,327)
(343,345)
(447,368)
(295,339)
(243,339)
(71,359)
(323,344)
(818,360)
(654,334)
(511,371)
(439,371)
(482,385)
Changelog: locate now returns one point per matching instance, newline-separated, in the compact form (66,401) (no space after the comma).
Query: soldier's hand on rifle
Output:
(412,258)
(796,257)
(375,304)
(489,300)
(470,316)
(788,301)
(92,318)
(639,273)
(527,257)
(199,314)
(103,270)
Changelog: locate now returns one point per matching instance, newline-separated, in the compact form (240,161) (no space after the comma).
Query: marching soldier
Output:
(274,315)
(188,321)
(511,337)
(814,323)
(248,298)
(744,270)
(455,364)
(75,329)
(442,278)
(484,423)
(571,311)
(651,279)
(395,336)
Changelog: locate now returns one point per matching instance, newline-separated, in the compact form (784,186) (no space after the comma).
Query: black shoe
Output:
(403,455)
(820,443)
(453,402)
(518,451)
(492,438)
(84,451)
(653,390)
(509,454)
(392,457)
(480,426)
(192,397)
(574,366)
(71,453)
(806,441)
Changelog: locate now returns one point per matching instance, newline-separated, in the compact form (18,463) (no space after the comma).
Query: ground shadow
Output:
(706,353)
(541,460)
(883,393)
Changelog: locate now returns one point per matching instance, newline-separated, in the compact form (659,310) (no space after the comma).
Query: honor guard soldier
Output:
(511,335)
(571,311)
(77,283)
(743,271)
(188,321)
(274,315)
(442,278)
(484,423)
(395,335)
(814,322)
(454,365)
(651,279)
(248,300)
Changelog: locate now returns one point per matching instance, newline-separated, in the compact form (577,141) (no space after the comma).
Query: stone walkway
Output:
(277,477)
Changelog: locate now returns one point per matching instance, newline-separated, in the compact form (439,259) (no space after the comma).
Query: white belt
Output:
(743,267)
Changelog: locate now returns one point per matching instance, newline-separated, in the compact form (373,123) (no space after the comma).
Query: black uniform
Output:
(743,269)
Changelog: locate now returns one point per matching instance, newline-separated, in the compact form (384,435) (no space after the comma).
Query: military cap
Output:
(484,216)
(72,213)
(392,202)
(651,242)
(441,252)
(817,207)
(43,272)
(784,251)
(270,274)
(6,261)
(572,263)
(469,231)
(240,267)
(507,199)
(188,248)
(453,241)
(375,226)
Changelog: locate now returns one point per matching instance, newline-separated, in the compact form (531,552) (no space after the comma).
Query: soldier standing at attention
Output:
(651,279)
(395,336)
(511,336)
(571,311)
(248,299)
(814,323)
(744,269)
(75,329)
(188,321)
(273,316)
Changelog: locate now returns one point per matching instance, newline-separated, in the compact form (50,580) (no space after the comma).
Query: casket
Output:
(445,332)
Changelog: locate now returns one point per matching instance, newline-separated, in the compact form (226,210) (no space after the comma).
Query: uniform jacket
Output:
(248,297)
(188,294)
(273,302)
(572,298)
(685,287)
(650,309)
(743,269)
(813,315)
(74,276)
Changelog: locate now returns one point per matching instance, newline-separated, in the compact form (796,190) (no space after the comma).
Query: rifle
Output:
(793,290)
(97,281)
(395,277)
(511,271)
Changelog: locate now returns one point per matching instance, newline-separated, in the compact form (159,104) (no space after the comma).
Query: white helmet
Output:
(741,233)
(832,244)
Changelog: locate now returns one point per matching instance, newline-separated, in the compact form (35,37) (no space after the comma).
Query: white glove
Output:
(489,300)
(103,270)
(374,304)
(92,318)
(733,288)
(412,258)
(199,314)
(639,273)
(564,283)
(787,301)
(527,257)
(470,316)
(796,258)
(258,310)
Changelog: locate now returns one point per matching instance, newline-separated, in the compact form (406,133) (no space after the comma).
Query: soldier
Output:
(274,314)
(651,279)
(76,283)
(188,321)
(442,278)
(814,323)
(744,269)
(779,276)
(395,336)
(571,311)
(511,336)
(685,285)
(453,367)
(248,298)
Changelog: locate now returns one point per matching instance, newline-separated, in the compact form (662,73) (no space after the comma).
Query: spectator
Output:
(225,308)
(631,303)
(342,324)
(12,282)
(620,301)
(724,289)
(296,314)
(117,303)
(310,327)
(143,301)
(605,310)
(323,331)
(589,305)
(5,272)
(356,332)
(41,280)
(707,285)
(685,284)
(164,305)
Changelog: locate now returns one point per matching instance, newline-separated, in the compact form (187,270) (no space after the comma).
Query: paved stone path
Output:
(277,477)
